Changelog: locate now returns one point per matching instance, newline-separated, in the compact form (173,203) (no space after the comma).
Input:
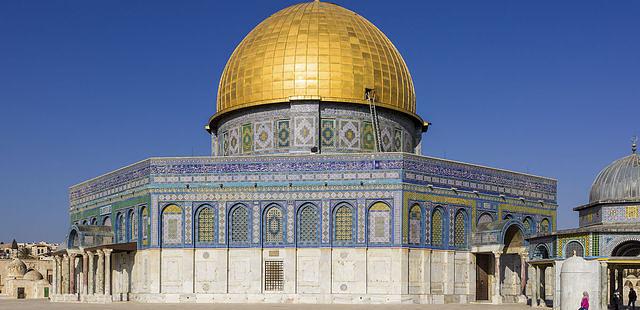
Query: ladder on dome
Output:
(370,96)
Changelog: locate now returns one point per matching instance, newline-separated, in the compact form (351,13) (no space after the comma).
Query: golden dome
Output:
(318,51)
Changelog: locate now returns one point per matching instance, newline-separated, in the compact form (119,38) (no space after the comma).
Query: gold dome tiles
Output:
(318,51)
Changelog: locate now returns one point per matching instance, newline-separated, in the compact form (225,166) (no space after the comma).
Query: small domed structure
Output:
(33,275)
(16,268)
(618,182)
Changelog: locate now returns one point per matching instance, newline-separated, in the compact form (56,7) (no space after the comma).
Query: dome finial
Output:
(634,144)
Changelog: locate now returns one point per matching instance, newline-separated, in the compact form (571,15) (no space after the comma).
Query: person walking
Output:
(632,298)
(584,303)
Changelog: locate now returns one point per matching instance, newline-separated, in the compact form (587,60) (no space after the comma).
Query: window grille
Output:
(205,225)
(344,224)
(273,276)
(437,226)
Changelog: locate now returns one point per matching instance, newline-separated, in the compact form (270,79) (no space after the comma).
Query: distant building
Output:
(25,278)
(32,250)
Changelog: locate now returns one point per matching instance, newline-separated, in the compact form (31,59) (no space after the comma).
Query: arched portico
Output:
(513,270)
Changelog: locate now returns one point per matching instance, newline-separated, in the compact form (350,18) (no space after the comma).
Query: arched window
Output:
(528,226)
(541,252)
(122,228)
(106,221)
(437,225)
(273,226)
(240,225)
(205,229)
(133,226)
(485,218)
(308,225)
(343,224)
(144,221)
(94,221)
(172,225)
(460,232)
(74,239)
(544,226)
(415,224)
(84,222)
(573,247)
(379,223)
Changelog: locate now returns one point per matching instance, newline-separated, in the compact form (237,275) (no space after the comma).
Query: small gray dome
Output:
(620,181)
(16,268)
(33,275)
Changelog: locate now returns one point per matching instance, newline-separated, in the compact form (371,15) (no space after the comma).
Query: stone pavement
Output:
(12,304)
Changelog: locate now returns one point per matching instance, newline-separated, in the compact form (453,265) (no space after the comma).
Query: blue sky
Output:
(544,87)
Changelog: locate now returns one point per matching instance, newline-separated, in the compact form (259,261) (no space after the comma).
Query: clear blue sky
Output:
(545,87)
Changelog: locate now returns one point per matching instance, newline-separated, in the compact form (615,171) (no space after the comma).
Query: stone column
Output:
(523,273)
(85,273)
(65,274)
(497,298)
(54,285)
(100,273)
(604,301)
(535,287)
(107,271)
(612,283)
(72,273)
(90,272)
(620,280)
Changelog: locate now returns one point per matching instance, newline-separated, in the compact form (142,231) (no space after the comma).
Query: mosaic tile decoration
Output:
(397,140)
(328,132)
(247,138)
(386,139)
(264,135)
(256,222)
(283,133)
(325,221)
(172,225)
(349,134)
(290,219)
(188,235)
(418,169)
(222,216)
(305,131)
(234,141)
(368,136)
(361,203)
(485,218)
(224,144)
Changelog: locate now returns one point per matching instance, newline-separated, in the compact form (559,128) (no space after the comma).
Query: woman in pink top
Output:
(584,304)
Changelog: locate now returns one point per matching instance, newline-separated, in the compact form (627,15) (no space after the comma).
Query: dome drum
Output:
(316,52)
(305,126)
